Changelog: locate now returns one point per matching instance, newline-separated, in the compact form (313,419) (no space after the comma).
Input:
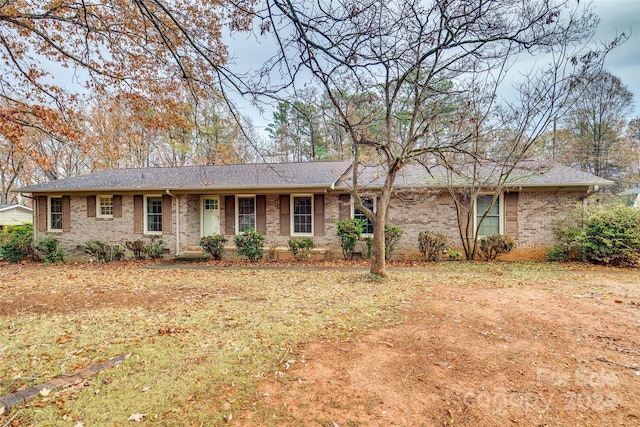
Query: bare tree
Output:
(51,52)
(410,66)
(595,125)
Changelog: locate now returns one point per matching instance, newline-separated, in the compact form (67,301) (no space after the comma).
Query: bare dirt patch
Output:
(532,354)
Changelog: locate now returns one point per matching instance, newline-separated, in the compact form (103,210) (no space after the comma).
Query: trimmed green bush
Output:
(606,234)
(214,245)
(494,245)
(16,242)
(569,236)
(250,244)
(97,249)
(432,245)
(558,254)
(392,235)
(349,232)
(301,248)
(48,251)
(612,235)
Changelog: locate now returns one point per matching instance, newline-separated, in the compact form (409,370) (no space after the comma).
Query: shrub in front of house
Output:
(102,251)
(155,248)
(349,232)
(16,242)
(97,249)
(494,245)
(569,237)
(367,248)
(611,235)
(250,243)
(138,248)
(48,251)
(603,234)
(300,248)
(432,245)
(392,235)
(214,245)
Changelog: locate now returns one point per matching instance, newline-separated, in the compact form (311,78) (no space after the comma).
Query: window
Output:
(55,213)
(211,204)
(302,215)
(492,223)
(246,213)
(105,206)
(368,202)
(154,214)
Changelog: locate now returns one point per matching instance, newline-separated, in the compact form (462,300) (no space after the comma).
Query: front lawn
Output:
(213,346)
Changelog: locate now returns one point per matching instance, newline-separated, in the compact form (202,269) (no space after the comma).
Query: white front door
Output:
(210,216)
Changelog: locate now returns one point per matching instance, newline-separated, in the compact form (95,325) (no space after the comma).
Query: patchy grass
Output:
(200,340)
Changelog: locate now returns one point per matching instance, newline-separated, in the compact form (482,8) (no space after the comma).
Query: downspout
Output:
(177,220)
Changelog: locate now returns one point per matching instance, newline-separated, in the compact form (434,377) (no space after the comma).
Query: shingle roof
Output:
(215,177)
(528,175)
(262,176)
(6,207)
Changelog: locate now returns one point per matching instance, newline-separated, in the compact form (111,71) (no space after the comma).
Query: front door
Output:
(210,216)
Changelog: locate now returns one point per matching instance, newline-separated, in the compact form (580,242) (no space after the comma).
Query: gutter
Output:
(320,187)
(177,219)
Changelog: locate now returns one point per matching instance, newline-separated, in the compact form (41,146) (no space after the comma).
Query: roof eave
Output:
(507,185)
(252,189)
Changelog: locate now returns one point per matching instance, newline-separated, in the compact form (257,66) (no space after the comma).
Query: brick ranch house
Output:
(290,200)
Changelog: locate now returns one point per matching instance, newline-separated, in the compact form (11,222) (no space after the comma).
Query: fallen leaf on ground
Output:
(136,417)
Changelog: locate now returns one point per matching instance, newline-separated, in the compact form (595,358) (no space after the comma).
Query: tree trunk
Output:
(378,262)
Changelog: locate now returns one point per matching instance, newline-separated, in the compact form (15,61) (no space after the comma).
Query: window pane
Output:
(56,213)
(491,223)
(483,205)
(302,215)
(105,206)
(154,214)
(246,213)
(211,204)
(368,203)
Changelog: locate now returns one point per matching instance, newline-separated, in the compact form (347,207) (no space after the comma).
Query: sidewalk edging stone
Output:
(23,396)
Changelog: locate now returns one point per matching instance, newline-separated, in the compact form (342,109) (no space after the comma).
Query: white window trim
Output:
(49,222)
(291,214)
(98,210)
(146,216)
(237,216)
(500,213)
(375,207)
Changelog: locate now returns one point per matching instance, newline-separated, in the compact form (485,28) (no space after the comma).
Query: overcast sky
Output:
(622,16)
(616,17)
